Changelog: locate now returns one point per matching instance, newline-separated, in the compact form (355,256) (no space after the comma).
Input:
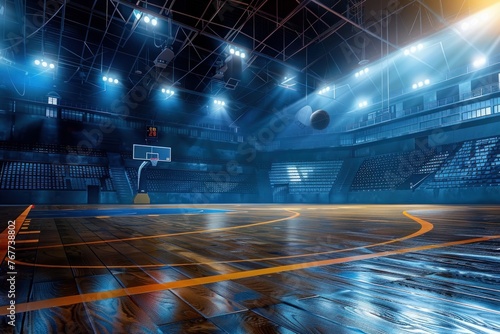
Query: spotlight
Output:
(421,83)
(154,22)
(137,14)
(237,52)
(167,91)
(147,19)
(479,62)
(474,21)
(413,49)
(324,90)
(110,80)
(219,102)
(363,104)
(362,72)
(44,63)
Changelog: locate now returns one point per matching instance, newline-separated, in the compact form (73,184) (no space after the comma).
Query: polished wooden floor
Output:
(253,269)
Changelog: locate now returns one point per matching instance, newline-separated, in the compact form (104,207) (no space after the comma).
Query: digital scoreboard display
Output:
(151,132)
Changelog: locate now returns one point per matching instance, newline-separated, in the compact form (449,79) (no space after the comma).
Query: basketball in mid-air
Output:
(320,119)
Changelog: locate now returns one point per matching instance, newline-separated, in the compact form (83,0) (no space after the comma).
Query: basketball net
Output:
(154,161)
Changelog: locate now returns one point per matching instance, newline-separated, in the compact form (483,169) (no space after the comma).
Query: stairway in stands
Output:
(119,179)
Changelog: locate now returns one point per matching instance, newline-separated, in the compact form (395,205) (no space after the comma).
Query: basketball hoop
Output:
(154,161)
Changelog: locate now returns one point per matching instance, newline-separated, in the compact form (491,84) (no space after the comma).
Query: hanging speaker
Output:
(164,58)
(234,69)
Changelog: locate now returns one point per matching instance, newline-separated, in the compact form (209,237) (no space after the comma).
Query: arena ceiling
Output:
(292,48)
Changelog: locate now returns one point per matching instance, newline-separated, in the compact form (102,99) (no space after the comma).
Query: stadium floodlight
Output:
(421,83)
(168,91)
(219,102)
(479,62)
(44,63)
(109,79)
(147,19)
(363,104)
(237,52)
(324,90)
(362,72)
(474,21)
(413,49)
(154,22)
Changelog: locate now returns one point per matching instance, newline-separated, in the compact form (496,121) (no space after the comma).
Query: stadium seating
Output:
(21,175)
(190,181)
(32,176)
(305,176)
(389,171)
(50,148)
(475,164)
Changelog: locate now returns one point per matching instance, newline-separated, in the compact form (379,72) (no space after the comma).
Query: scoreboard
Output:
(151,133)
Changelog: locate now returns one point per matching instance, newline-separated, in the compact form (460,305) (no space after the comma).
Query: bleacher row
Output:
(49,148)
(16,175)
(32,176)
(311,176)
(185,181)
(475,164)
(434,163)
(387,171)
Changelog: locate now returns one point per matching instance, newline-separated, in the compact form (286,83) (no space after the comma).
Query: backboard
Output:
(148,152)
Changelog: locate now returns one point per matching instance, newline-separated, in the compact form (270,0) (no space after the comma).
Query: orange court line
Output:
(27,241)
(295,214)
(5,234)
(95,296)
(424,228)
(29,232)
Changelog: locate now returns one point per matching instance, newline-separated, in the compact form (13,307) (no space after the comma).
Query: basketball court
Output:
(253,269)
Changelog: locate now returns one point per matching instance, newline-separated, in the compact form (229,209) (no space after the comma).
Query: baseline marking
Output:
(4,235)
